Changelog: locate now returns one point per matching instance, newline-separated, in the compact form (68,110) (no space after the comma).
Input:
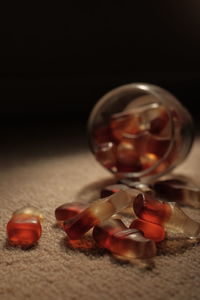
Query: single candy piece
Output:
(127,158)
(180,191)
(169,215)
(24,230)
(151,231)
(68,210)
(130,243)
(180,222)
(98,212)
(151,210)
(122,124)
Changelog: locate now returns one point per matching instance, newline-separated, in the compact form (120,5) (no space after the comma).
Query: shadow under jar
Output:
(140,130)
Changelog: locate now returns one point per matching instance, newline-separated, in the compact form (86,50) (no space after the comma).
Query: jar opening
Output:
(136,131)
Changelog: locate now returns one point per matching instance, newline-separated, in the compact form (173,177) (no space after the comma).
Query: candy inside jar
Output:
(140,131)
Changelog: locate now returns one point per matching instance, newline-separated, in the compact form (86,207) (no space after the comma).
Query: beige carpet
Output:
(46,179)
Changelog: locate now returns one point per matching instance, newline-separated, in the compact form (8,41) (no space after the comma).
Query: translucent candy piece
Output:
(24,230)
(127,158)
(29,210)
(169,215)
(151,210)
(151,231)
(98,212)
(121,201)
(179,191)
(106,155)
(180,222)
(111,189)
(123,123)
(119,240)
(69,210)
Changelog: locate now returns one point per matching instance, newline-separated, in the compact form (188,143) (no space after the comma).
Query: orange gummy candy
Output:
(24,230)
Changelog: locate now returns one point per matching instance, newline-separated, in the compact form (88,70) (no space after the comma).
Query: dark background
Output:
(57,61)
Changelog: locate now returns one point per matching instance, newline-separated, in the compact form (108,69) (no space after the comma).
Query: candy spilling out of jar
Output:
(153,219)
(24,228)
(140,130)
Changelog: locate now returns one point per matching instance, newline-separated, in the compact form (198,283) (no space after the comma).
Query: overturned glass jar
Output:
(140,131)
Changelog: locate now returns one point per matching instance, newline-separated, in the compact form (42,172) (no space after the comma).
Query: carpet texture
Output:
(46,178)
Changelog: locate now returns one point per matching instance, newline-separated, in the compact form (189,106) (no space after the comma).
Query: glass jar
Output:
(140,131)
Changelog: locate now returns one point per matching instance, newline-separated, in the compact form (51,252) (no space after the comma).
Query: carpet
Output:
(47,176)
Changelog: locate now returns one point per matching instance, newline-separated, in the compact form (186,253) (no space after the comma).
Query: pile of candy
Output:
(150,219)
(138,138)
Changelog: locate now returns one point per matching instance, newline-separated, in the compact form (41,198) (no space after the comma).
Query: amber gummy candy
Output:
(127,158)
(151,210)
(122,124)
(129,243)
(24,230)
(151,231)
(170,215)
